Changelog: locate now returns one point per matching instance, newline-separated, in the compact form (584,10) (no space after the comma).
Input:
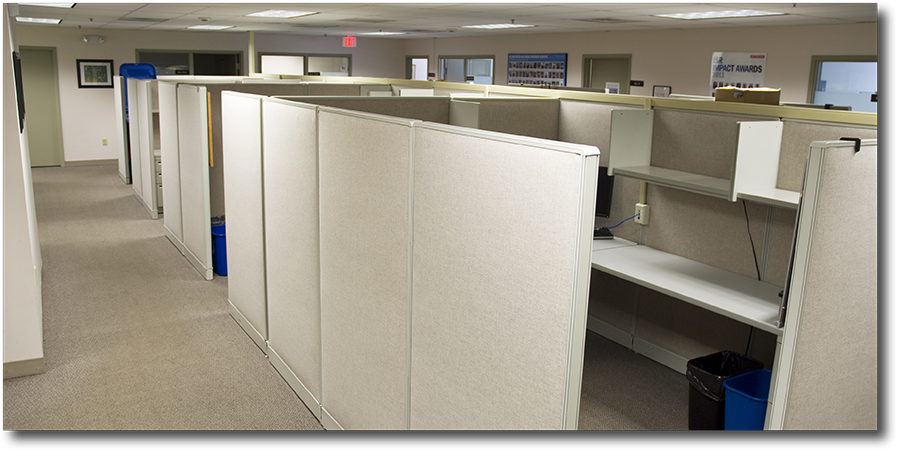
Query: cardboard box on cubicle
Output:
(766,96)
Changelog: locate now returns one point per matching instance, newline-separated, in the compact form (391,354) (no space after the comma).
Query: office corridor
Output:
(135,339)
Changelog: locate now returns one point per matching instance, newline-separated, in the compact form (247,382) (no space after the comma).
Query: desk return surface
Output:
(738,297)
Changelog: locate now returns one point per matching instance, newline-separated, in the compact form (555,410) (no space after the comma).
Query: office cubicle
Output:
(662,326)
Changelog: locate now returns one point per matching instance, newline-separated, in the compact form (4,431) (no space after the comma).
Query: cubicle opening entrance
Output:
(598,70)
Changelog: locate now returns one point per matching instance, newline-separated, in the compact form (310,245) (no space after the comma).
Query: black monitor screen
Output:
(605,193)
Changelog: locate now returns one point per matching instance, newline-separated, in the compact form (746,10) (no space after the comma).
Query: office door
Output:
(602,69)
(42,113)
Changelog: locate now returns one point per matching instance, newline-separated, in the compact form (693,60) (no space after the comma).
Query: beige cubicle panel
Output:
(364,163)
(134,139)
(144,113)
(501,225)
(431,109)
(241,135)
(121,143)
(826,374)
(168,136)
(193,153)
(292,246)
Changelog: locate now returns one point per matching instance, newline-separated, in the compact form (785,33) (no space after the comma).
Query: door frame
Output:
(409,59)
(587,68)
(60,150)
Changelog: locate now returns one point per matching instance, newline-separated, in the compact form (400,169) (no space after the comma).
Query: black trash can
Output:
(706,394)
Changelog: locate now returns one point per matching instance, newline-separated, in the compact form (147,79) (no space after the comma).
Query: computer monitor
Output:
(605,193)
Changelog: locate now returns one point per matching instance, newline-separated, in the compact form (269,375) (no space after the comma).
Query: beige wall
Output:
(679,58)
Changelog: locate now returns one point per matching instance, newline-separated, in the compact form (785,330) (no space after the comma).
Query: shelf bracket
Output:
(856,143)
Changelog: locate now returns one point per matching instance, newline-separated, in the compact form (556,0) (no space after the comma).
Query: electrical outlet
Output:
(105,142)
(641,211)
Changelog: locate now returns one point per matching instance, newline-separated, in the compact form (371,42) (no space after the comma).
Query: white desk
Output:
(738,297)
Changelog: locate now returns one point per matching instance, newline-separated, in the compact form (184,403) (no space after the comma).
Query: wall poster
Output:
(743,70)
(537,69)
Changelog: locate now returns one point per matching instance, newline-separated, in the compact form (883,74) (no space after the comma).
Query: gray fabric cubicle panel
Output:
(334,89)
(523,117)
(241,137)
(495,239)
(696,142)
(364,221)
(292,242)
(587,123)
(834,374)
(430,109)
(171,190)
(796,139)
(193,146)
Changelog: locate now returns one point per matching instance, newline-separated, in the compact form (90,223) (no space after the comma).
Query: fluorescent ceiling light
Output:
(280,14)
(210,27)
(37,20)
(384,33)
(51,5)
(719,14)
(498,26)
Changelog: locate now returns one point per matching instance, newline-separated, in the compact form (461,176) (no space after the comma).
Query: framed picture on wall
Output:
(542,69)
(95,73)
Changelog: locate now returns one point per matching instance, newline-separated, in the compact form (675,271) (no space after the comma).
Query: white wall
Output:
(372,57)
(22,312)
(677,58)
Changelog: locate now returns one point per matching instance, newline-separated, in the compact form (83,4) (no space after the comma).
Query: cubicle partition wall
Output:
(827,370)
(193,162)
(431,109)
(242,150)
(121,142)
(134,138)
(145,113)
(355,206)
(292,245)
(171,168)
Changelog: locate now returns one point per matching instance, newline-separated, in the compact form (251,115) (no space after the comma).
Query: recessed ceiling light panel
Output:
(281,14)
(498,26)
(384,33)
(210,27)
(719,14)
(37,20)
(51,5)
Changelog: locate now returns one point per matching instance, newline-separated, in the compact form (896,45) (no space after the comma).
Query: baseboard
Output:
(295,383)
(206,272)
(153,214)
(328,421)
(660,355)
(174,240)
(247,327)
(610,332)
(92,162)
(640,346)
(23,368)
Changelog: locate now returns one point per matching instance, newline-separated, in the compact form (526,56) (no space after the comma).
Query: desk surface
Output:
(738,297)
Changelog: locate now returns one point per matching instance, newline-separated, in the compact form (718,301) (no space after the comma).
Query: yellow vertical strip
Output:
(209,116)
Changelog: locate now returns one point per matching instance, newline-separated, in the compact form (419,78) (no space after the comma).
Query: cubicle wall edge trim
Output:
(328,422)
(247,327)
(579,303)
(409,298)
(783,366)
(298,387)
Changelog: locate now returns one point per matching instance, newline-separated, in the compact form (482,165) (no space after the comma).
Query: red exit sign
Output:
(349,41)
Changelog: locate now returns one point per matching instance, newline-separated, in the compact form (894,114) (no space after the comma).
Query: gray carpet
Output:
(135,339)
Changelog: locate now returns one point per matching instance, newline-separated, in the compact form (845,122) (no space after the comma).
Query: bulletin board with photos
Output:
(537,69)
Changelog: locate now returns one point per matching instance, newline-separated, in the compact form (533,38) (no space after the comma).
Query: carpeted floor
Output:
(135,339)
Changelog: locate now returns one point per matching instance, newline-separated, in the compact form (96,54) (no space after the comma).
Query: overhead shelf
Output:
(754,165)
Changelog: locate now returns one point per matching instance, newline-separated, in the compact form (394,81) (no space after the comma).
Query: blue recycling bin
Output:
(747,396)
(219,250)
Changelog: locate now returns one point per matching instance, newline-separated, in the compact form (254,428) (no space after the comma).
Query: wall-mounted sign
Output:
(742,70)
(636,83)
(538,69)
(349,41)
